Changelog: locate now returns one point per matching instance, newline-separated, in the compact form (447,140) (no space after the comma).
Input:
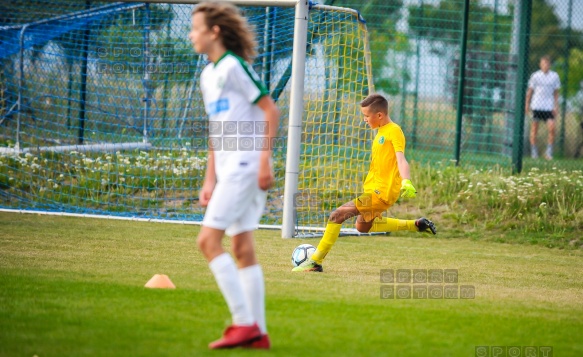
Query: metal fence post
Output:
(565,83)
(416,94)
(20,88)
(147,81)
(521,77)
(83,89)
(461,82)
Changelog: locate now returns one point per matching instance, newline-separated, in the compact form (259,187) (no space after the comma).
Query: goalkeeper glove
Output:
(407,189)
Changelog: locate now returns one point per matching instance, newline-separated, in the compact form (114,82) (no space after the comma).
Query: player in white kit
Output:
(243,120)
(542,97)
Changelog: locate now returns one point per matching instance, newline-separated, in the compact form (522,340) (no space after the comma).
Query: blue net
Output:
(101,112)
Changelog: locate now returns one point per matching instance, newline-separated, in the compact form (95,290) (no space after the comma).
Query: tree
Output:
(381,18)
(575,71)
(488,48)
(488,44)
(120,29)
(15,13)
(550,37)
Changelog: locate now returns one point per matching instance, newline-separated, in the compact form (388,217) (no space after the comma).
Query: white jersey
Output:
(543,86)
(230,90)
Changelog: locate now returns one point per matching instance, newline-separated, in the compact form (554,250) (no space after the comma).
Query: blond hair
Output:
(235,33)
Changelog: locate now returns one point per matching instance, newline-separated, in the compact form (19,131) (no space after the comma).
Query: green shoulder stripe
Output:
(262,90)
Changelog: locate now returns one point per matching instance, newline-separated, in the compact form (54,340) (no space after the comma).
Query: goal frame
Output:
(296,106)
(302,8)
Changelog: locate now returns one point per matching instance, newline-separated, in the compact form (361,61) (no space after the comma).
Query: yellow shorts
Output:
(370,206)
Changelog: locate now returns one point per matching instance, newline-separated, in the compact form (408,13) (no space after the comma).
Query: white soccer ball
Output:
(302,253)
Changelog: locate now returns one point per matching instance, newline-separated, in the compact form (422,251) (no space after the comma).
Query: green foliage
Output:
(441,23)
(549,37)
(545,30)
(381,66)
(120,40)
(483,202)
(489,38)
(381,19)
(113,182)
(20,12)
(575,71)
(548,202)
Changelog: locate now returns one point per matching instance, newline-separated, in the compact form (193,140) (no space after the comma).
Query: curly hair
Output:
(235,33)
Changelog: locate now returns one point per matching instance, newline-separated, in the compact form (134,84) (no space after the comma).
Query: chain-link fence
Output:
(103,113)
(469,81)
(420,54)
(459,94)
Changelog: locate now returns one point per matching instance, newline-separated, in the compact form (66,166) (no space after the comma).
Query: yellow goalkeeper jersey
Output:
(383,176)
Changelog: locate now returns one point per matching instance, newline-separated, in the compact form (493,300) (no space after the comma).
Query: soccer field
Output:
(74,287)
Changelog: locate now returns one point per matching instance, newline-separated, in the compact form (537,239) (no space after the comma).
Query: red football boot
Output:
(235,336)
(262,343)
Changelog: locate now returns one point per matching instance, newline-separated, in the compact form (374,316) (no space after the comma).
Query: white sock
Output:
(254,289)
(549,150)
(225,272)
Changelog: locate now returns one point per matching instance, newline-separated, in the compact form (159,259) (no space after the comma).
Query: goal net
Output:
(101,113)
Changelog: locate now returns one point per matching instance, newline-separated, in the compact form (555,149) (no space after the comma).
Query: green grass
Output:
(536,207)
(542,207)
(74,287)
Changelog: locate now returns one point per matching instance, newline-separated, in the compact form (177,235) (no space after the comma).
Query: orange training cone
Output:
(160,281)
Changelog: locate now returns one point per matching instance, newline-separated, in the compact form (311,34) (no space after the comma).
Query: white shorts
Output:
(235,206)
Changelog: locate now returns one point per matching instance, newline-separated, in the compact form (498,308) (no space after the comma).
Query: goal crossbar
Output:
(280,3)
(339,142)
(296,99)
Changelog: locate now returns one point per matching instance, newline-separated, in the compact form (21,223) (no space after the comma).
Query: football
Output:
(302,253)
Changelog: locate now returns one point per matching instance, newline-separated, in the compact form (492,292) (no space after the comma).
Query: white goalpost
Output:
(296,106)
(329,72)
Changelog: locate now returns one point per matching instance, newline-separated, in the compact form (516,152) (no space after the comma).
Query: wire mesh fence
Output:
(100,99)
(104,114)
(418,52)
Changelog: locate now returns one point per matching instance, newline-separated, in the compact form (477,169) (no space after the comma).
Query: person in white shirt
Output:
(243,121)
(542,97)
(577,103)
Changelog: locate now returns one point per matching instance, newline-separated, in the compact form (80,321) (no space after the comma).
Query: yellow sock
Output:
(330,236)
(385,224)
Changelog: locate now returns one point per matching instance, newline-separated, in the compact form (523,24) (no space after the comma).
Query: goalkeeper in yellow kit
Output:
(388,179)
